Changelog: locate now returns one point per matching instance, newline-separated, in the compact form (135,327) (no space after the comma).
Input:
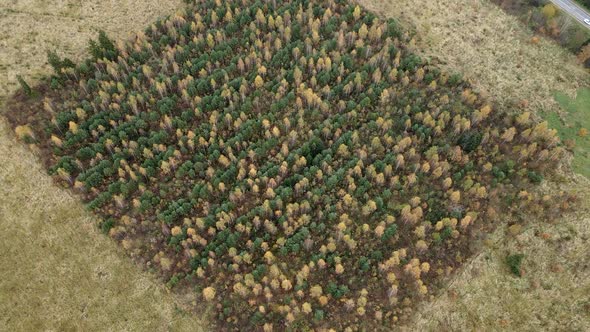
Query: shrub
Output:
(23,84)
(514,263)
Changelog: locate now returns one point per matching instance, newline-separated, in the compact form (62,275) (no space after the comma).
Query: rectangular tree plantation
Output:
(291,161)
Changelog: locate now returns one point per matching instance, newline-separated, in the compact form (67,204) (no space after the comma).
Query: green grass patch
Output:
(514,262)
(570,127)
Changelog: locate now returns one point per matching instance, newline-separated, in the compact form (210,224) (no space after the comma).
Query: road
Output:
(575,10)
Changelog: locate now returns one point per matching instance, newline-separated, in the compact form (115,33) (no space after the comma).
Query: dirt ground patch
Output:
(494,52)
(58,272)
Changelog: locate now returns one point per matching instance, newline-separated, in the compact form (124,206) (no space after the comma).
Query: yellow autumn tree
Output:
(549,11)
(356,13)
(258,82)
(209,293)
(23,132)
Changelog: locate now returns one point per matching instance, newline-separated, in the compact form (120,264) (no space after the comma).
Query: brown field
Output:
(59,273)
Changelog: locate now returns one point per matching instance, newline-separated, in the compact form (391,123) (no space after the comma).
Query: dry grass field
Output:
(29,28)
(491,49)
(58,272)
(494,52)
(552,294)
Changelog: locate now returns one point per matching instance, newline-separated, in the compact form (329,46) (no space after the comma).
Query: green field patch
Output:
(571,127)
